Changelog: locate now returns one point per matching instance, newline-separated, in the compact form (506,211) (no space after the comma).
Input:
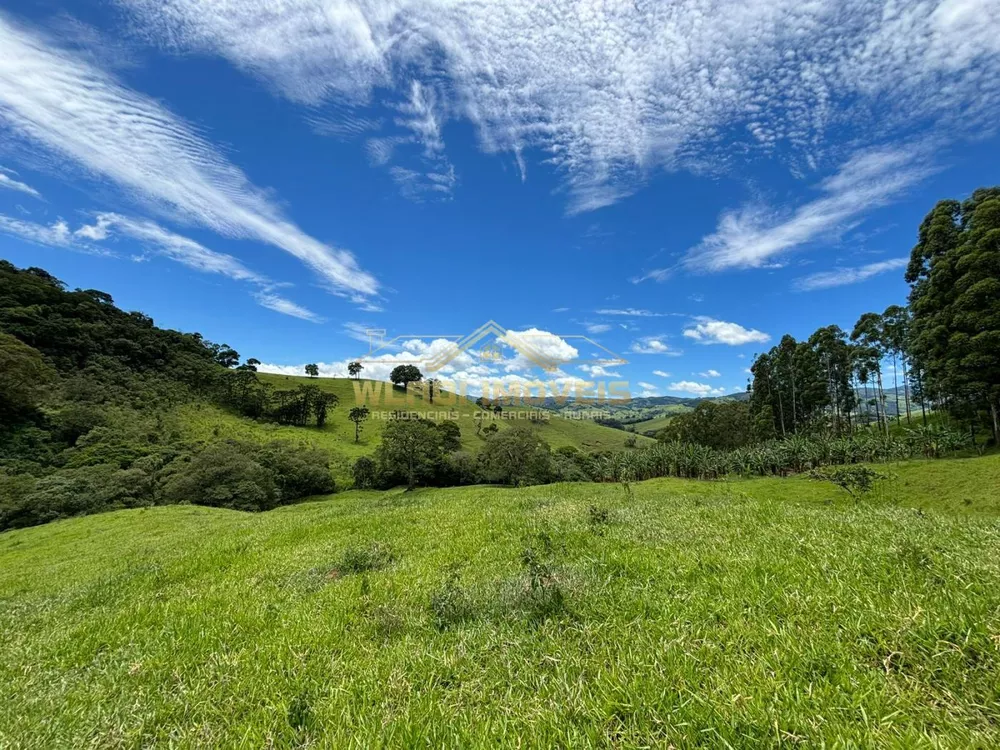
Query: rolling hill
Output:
(206,422)
(683,614)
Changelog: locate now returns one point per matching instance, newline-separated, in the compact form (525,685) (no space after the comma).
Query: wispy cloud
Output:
(661,373)
(58,100)
(615,91)
(845,276)
(630,312)
(753,236)
(710,374)
(57,234)
(711,331)
(153,239)
(598,327)
(279,304)
(8,182)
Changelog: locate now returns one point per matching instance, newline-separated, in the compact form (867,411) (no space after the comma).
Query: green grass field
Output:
(712,614)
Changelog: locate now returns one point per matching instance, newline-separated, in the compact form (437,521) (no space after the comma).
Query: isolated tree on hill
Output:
(312,371)
(354,369)
(954,273)
(251,364)
(358,415)
(432,385)
(403,375)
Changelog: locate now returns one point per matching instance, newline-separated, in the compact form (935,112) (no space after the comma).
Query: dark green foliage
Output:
(246,476)
(451,605)
(716,424)
(411,452)
(365,473)
(403,375)
(375,556)
(954,274)
(516,456)
(451,436)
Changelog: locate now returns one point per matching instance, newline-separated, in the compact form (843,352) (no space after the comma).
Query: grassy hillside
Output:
(338,434)
(739,613)
(652,425)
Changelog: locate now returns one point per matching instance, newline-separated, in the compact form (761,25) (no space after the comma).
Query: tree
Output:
(516,457)
(432,385)
(451,436)
(358,414)
(225,355)
(354,369)
(954,277)
(403,375)
(312,371)
(411,449)
(23,373)
(897,321)
(869,331)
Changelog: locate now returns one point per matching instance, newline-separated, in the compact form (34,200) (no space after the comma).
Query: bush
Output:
(246,476)
(365,474)
(517,457)
(375,556)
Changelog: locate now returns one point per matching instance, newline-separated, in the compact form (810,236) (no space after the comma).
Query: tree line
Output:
(943,347)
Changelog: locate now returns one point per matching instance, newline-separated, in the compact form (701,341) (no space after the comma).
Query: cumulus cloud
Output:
(845,276)
(647,390)
(599,371)
(56,99)
(701,390)
(754,236)
(710,374)
(711,331)
(8,182)
(653,345)
(615,91)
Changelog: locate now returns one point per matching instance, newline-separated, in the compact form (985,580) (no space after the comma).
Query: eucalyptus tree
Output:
(896,326)
(869,332)
(954,273)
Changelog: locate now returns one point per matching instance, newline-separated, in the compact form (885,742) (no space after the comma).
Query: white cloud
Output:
(710,331)
(653,345)
(647,390)
(754,237)
(7,181)
(547,346)
(599,371)
(286,307)
(156,240)
(661,373)
(598,328)
(845,276)
(616,91)
(631,312)
(61,102)
(56,234)
(561,310)
(710,374)
(701,390)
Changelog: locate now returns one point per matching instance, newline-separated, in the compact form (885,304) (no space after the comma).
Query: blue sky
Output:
(683,183)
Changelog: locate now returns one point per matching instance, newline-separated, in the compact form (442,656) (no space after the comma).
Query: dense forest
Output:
(84,394)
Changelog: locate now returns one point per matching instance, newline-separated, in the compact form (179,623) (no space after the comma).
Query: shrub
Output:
(365,473)
(516,456)
(451,605)
(375,556)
